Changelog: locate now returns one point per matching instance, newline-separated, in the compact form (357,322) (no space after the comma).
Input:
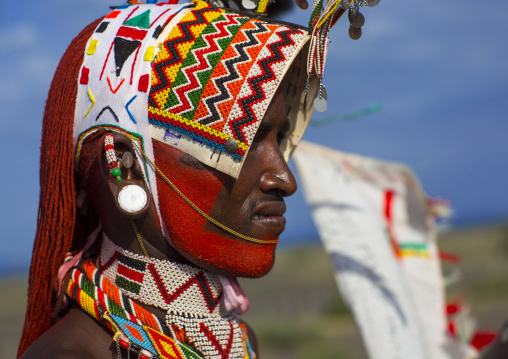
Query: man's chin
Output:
(240,271)
(226,256)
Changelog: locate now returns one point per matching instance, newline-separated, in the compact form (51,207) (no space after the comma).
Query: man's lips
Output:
(271,215)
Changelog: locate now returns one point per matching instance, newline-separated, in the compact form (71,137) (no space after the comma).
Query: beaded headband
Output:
(196,78)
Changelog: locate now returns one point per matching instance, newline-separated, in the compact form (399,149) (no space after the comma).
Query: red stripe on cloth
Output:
(130,33)
(158,17)
(449,257)
(389,196)
(483,338)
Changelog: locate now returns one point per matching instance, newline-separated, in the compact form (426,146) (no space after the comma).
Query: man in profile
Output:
(163,176)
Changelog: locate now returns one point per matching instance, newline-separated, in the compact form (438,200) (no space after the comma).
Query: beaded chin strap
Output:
(321,21)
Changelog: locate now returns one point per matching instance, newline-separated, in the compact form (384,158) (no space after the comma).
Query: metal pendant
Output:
(231,145)
(127,159)
(356,19)
(372,3)
(354,32)
(320,103)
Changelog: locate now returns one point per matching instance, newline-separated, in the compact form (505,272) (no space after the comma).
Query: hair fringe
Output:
(57,213)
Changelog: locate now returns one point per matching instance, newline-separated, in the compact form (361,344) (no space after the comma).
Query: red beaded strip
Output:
(109,147)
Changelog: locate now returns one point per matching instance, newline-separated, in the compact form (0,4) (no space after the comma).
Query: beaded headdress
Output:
(195,77)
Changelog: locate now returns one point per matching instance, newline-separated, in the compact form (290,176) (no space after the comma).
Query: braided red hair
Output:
(57,209)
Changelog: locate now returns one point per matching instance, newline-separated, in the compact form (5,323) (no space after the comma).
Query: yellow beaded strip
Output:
(197,209)
(85,301)
(261,9)
(196,125)
(330,12)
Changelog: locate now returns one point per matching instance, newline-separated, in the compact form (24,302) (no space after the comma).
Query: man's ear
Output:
(129,188)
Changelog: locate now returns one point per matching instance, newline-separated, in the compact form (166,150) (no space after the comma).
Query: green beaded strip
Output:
(316,10)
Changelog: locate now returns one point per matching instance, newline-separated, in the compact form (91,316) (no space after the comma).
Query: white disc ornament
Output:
(320,104)
(132,199)
(249,4)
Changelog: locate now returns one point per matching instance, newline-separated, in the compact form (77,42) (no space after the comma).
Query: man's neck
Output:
(121,231)
(164,284)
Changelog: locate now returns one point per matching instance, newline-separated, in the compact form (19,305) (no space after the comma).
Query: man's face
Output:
(252,205)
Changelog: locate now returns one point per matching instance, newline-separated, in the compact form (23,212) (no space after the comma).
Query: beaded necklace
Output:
(129,331)
(192,298)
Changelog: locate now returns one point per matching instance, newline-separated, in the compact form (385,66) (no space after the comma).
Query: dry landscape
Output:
(297,312)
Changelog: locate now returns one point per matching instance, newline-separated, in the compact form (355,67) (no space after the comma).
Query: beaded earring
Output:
(109,147)
(132,199)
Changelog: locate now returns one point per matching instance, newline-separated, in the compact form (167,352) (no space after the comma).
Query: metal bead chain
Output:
(197,209)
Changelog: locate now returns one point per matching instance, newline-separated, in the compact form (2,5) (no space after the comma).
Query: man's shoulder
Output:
(75,336)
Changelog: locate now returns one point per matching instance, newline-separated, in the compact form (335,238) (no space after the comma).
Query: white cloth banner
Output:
(374,220)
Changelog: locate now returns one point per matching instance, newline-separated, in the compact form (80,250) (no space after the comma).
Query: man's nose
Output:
(277,177)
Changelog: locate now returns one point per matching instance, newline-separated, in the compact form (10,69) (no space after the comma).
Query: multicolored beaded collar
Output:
(134,328)
(193,299)
(130,332)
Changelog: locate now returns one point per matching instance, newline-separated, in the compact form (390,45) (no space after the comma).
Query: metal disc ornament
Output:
(127,159)
(132,199)
(231,145)
(320,104)
(354,32)
(372,3)
(356,19)
(249,4)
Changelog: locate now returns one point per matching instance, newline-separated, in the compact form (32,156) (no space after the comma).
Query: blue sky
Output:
(438,68)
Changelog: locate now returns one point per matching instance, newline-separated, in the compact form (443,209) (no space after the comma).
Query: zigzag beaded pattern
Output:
(163,105)
(192,97)
(115,301)
(219,93)
(91,298)
(261,83)
(200,63)
(231,72)
(189,295)
(152,280)
(175,50)
(199,279)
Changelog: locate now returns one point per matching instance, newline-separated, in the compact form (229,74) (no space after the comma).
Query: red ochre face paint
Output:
(252,205)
